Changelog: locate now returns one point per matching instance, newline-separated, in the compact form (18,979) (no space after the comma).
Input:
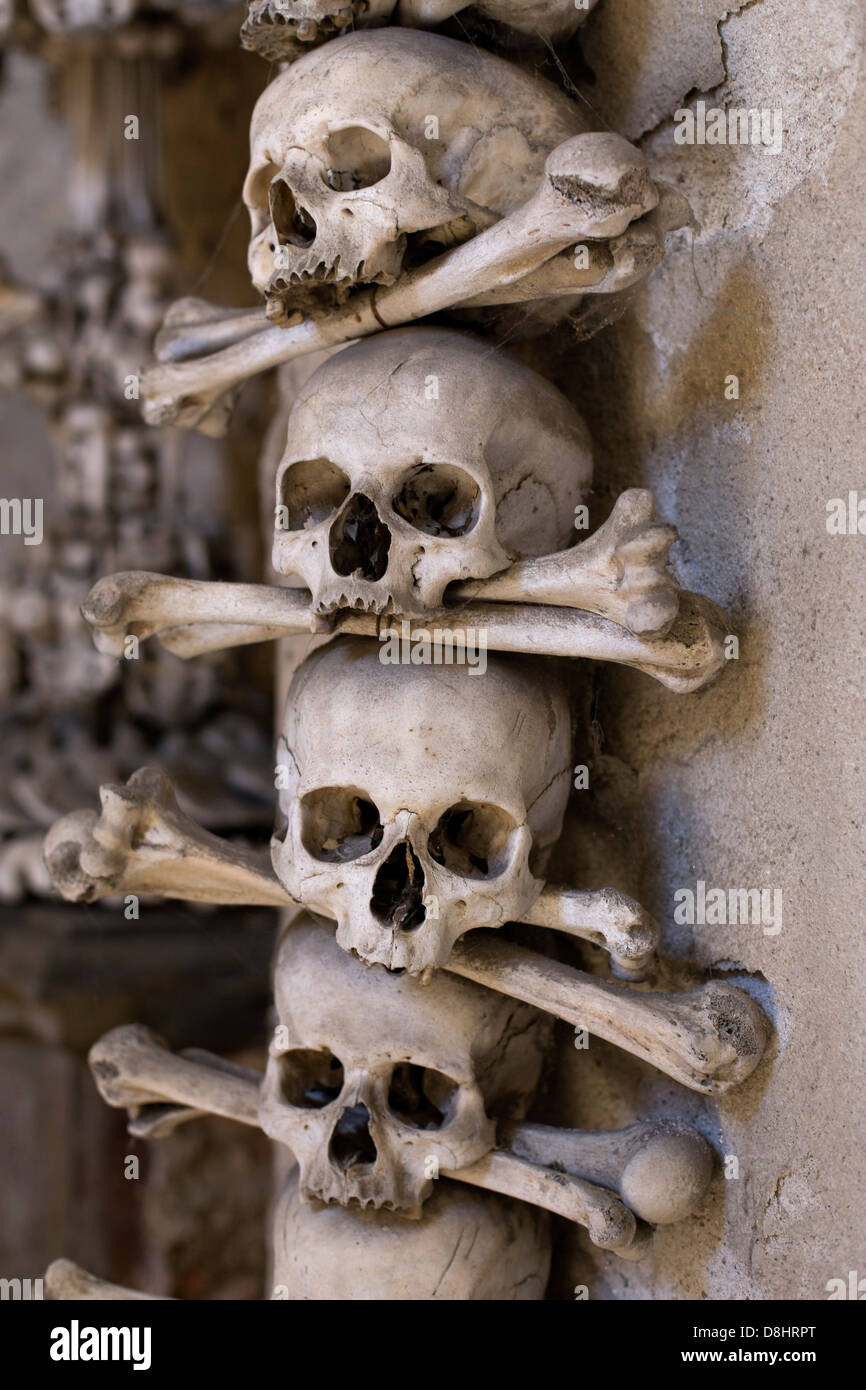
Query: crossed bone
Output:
(709,1038)
(593,187)
(65,1281)
(660,1171)
(609,598)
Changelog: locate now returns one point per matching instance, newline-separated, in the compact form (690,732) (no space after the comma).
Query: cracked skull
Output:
(382,136)
(418,802)
(468,1245)
(418,458)
(375,1082)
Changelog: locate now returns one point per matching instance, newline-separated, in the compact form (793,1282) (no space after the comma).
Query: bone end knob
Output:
(62,849)
(667,1179)
(612,1227)
(104,605)
(107,609)
(119,1058)
(66,1281)
(600,169)
(739,1029)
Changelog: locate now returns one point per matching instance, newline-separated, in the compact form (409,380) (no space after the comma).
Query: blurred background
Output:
(98,234)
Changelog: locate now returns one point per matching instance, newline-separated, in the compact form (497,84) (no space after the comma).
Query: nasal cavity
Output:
(293,224)
(398,890)
(359,541)
(351,1142)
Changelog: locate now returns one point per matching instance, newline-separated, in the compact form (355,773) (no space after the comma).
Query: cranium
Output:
(419,803)
(467,1246)
(417,458)
(375,1082)
(281,30)
(382,135)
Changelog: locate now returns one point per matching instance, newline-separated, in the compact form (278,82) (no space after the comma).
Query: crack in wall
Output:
(695,93)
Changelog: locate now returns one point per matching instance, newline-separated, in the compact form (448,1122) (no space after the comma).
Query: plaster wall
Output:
(756,782)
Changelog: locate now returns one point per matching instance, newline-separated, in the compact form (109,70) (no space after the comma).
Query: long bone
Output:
(619,573)
(192,327)
(609,1224)
(282,30)
(593,186)
(605,917)
(141,842)
(67,1281)
(660,1170)
(687,658)
(133,1068)
(709,1038)
(192,617)
(609,267)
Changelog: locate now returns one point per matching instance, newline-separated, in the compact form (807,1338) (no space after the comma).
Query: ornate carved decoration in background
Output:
(75,343)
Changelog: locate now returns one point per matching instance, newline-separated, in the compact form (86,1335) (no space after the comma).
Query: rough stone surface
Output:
(754,782)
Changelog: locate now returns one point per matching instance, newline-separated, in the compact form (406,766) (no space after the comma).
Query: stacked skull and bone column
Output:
(428,485)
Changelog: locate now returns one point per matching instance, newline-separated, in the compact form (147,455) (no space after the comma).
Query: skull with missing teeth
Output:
(385,136)
(282,30)
(371,1076)
(419,801)
(419,458)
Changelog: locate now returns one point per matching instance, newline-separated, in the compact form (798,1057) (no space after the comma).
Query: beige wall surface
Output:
(758,781)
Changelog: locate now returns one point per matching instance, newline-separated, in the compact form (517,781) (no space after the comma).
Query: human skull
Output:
(375,1082)
(419,802)
(468,1245)
(283,30)
(418,458)
(381,135)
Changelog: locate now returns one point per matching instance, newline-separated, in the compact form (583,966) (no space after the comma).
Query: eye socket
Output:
(421,1097)
(357,158)
(309,492)
(472,839)
(339,824)
(439,500)
(310,1078)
